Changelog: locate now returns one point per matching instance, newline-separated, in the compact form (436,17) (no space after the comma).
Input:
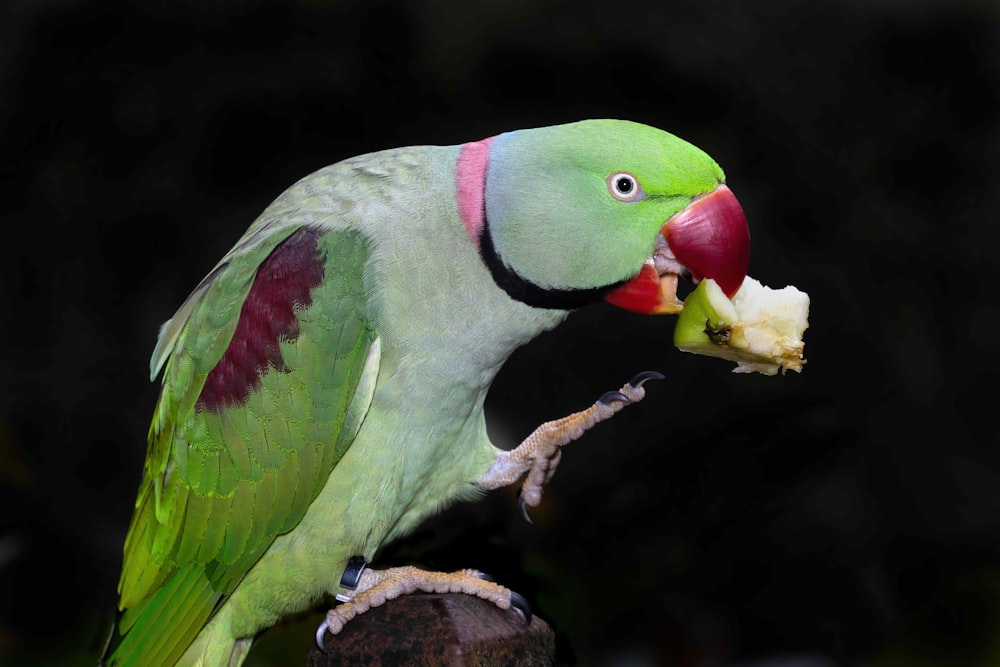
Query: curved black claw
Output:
(611,396)
(518,602)
(523,506)
(320,633)
(642,377)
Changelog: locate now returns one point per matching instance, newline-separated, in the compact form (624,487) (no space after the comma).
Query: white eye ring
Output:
(623,186)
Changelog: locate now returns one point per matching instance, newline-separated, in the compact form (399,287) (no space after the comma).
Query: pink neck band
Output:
(470,185)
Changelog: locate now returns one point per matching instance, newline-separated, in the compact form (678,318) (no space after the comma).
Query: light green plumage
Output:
(551,213)
(248,513)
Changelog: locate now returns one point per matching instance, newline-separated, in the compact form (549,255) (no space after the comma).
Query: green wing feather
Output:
(220,484)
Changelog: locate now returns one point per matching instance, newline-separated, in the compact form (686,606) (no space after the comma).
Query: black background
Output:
(849,513)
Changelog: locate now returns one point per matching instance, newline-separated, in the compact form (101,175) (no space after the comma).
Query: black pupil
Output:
(624,185)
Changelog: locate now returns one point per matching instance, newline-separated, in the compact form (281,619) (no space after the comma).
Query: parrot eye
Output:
(624,187)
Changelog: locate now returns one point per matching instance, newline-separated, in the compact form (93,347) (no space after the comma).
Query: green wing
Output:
(255,411)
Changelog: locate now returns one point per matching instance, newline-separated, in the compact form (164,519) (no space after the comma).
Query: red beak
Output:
(710,238)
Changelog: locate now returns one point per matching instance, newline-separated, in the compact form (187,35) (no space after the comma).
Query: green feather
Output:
(241,476)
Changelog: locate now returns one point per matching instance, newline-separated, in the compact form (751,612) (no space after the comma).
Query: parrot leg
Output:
(373,588)
(535,459)
(538,455)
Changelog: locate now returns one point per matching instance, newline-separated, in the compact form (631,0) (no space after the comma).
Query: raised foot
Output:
(538,455)
(373,588)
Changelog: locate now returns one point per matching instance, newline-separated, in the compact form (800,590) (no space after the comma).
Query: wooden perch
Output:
(430,630)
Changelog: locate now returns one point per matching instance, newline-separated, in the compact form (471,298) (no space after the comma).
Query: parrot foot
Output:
(538,455)
(373,588)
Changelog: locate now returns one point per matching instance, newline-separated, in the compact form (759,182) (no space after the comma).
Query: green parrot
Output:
(323,386)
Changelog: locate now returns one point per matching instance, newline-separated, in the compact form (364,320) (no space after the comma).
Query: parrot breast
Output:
(281,286)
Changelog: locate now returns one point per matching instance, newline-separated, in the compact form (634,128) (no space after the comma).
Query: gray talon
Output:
(518,602)
(610,397)
(320,633)
(642,377)
(523,507)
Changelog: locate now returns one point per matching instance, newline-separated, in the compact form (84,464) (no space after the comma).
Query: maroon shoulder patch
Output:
(283,283)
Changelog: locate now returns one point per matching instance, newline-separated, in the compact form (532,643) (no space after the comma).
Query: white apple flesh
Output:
(760,328)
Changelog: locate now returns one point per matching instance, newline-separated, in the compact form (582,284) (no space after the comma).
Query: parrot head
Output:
(568,214)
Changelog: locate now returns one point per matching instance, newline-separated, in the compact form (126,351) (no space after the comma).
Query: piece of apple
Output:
(760,328)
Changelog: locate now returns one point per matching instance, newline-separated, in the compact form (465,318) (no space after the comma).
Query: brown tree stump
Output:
(430,630)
